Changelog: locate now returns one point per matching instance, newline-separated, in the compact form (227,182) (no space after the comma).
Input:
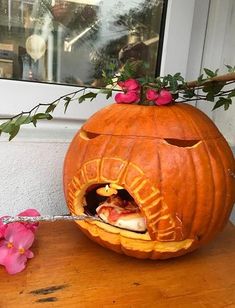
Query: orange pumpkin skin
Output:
(171,159)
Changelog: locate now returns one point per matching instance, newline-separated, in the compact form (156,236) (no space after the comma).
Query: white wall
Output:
(31,164)
(219,50)
(31,176)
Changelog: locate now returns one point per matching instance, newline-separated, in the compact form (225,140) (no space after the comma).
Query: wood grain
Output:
(71,271)
(227,77)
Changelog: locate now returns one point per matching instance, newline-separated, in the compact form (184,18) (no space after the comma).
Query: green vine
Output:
(208,87)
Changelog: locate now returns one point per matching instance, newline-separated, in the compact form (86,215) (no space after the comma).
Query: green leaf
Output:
(10,128)
(109,94)
(232,94)
(164,82)
(129,70)
(6,126)
(226,105)
(51,108)
(104,74)
(226,102)
(218,86)
(200,79)
(111,66)
(173,83)
(90,95)
(146,79)
(108,79)
(42,116)
(231,69)
(210,73)
(66,104)
(49,116)
(210,97)
(213,87)
(106,91)
(178,77)
(189,93)
(14,131)
(175,96)
(23,120)
(67,100)
(34,121)
(218,104)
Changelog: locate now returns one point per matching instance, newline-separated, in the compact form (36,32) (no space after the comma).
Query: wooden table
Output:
(69,270)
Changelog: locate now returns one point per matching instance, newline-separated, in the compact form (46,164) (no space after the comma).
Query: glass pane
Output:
(71,42)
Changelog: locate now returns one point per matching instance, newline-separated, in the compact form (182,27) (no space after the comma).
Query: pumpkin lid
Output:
(178,121)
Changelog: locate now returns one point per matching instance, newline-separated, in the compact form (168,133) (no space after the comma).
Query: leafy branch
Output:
(12,125)
(209,86)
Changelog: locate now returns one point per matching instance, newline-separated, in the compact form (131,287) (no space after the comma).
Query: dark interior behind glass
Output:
(72,42)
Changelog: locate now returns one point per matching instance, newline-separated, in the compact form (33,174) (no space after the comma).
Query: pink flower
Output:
(14,248)
(131,88)
(163,98)
(127,98)
(33,213)
(15,240)
(129,85)
(151,95)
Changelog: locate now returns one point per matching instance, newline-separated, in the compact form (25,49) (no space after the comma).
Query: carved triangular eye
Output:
(87,135)
(182,143)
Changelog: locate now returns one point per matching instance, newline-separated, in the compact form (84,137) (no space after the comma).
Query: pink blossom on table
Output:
(127,98)
(15,240)
(14,248)
(163,98)
(33,213)
(129,85)
(151,95)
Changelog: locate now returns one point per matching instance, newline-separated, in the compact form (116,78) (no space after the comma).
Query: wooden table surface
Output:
(69,270)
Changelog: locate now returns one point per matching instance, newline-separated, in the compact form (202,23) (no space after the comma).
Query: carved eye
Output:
(183,143)
(87,135)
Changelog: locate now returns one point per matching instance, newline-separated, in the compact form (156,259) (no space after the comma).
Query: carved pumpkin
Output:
(171,160)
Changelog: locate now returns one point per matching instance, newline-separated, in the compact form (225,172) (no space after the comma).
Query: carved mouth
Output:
(115,206)
(86,200)
(146,220)
(161,230)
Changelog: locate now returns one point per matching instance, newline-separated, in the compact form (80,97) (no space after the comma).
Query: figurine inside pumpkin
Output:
(115,206)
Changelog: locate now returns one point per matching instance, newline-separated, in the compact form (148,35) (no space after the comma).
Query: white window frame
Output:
(219,51)
(184,29)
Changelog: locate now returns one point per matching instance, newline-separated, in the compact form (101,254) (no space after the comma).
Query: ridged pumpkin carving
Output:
(171,159)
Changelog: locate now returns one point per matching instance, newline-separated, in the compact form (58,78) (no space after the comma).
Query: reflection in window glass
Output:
(71,42)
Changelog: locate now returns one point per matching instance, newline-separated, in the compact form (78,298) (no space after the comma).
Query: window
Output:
(73,41)
(182,52)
